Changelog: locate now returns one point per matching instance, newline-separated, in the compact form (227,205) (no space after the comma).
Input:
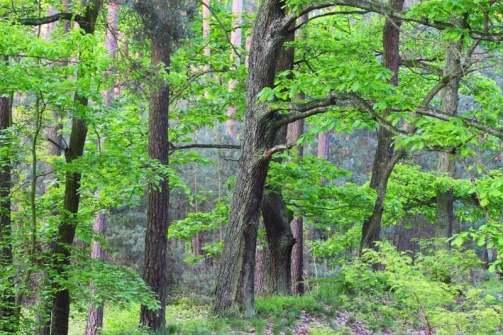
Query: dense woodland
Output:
(271,167)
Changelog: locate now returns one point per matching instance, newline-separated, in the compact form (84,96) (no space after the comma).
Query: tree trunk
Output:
(384,159)
(235,282)
(277,225)
(294,132)
(449,103)
(8,311)
(66,229)
(156,239)
(280,242)
(95,321)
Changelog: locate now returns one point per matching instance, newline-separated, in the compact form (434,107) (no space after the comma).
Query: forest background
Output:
(345,152)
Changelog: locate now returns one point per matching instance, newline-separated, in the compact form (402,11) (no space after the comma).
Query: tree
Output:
(8,311)
(385,158)
(235,290)
(449,104)
(163,24)
(66,229)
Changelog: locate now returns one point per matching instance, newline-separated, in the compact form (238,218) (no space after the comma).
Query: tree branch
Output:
(299,111)
(37,21)
(466,121)
(384,9)
(277,148)
(174,148)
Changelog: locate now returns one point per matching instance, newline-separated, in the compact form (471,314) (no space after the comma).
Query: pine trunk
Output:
(156,239)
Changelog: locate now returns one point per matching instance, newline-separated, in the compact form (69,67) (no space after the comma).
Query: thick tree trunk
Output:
(277,225)
(156,239)
(449,101)
(66,229)
(280,242)
(384,159)
(8,310)
(235,282)
(295,130)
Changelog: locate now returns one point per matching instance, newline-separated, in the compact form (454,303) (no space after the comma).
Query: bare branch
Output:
(378,118)
(299,111)
(174,148)
(37,21)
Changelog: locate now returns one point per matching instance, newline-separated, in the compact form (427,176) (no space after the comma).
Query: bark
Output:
(449,96)
(66,229)
(294,132)
(156,239)
(235,282)
(263,265)
(385,158)
(95,320)
(8,311)
(277,225)
(280,242)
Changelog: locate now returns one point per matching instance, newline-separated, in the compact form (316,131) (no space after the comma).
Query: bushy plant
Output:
(432,289)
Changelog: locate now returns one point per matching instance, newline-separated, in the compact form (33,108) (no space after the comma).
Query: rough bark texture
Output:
(277,225)
(235,282)
(449,96)
(280,242)
(8,318)
(383,159)
(95,321)
(295,130)
(66,229)
(156,239)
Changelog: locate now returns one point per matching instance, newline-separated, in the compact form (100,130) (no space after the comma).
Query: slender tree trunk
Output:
(295,130)
(235,282)
(156,239)
(8,310)
(449,96)
(66,229)
(384,159)
(54,150)
(95,320)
